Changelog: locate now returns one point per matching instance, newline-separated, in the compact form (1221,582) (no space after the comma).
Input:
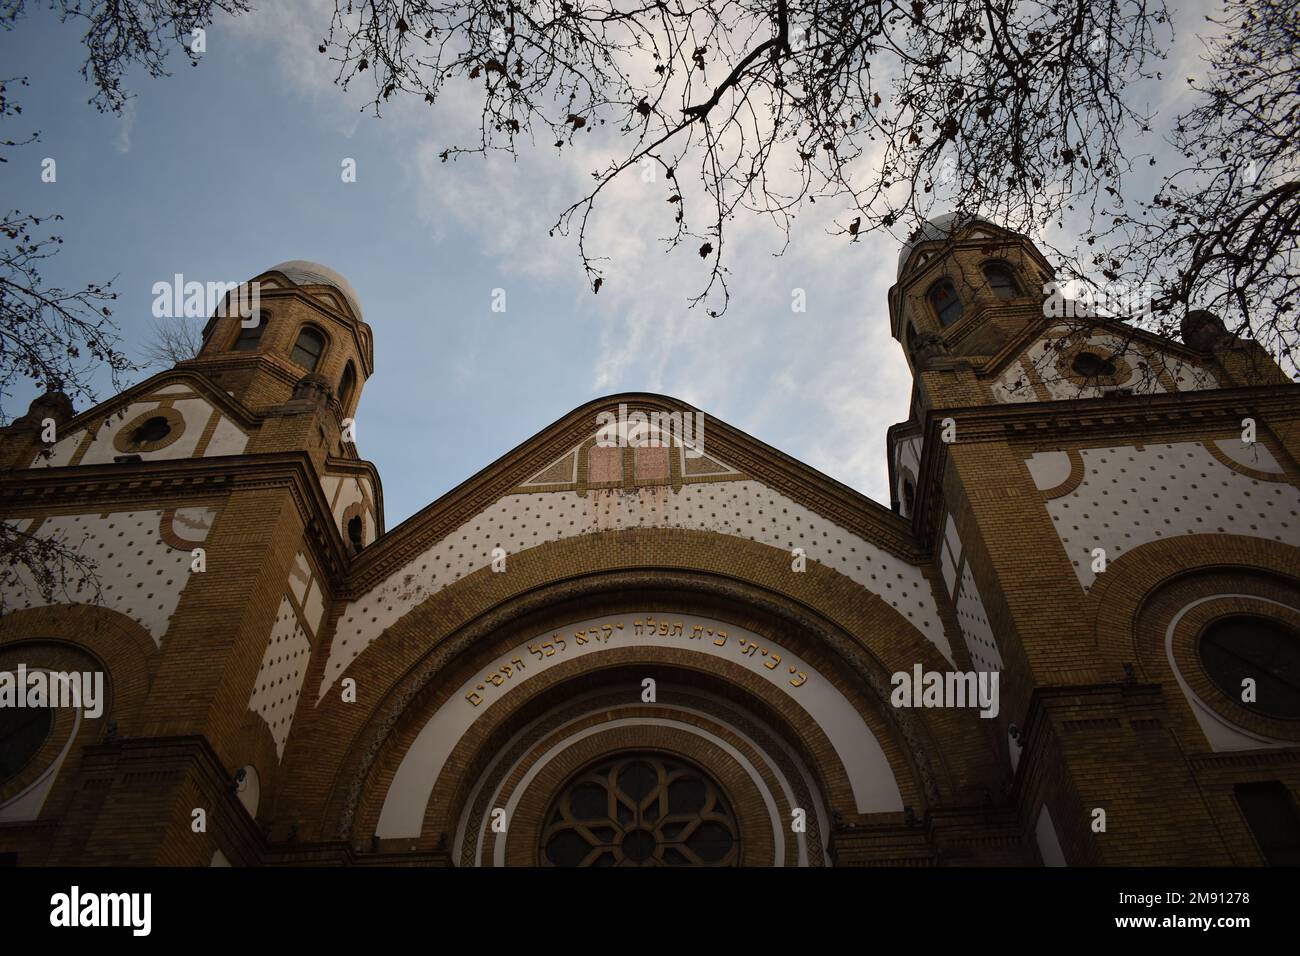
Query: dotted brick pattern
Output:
(279,681)
(971,616)
(140,574)
(1132,494)
(745,509)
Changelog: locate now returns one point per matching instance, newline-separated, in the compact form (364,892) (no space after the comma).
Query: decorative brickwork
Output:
(1072,531)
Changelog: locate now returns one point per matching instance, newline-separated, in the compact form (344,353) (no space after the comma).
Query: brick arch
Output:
(119,644)
(866,639)
(681,706)
(80,637)
(1136,577)
(614,674)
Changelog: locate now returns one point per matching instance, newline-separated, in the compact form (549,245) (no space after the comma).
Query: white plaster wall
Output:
(1042,356)
(971,616)
(279,680)
(140,575)
(907,464)
(1254,455)
(746,509)
(227,439)
(974,623)
(1049,469)
(1049,844)
(350,494)
(1132,495)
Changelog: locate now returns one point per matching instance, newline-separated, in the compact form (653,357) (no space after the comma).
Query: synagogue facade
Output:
(644,637)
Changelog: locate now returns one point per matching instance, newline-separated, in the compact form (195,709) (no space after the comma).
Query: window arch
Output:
(347,385)
(309,348)
(356,534)
(250,336)
(1266,651)
(641,810)
(945,302)
(1002,280)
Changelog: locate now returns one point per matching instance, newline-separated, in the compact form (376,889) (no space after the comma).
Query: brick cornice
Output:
(185,373)
(155,483)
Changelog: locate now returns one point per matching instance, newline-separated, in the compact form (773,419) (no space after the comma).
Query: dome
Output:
(940,227)
(305,272)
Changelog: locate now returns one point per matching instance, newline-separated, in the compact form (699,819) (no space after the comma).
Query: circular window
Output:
(1268,652)
(153,429)
(643,810)
(22,732)
(1092,365)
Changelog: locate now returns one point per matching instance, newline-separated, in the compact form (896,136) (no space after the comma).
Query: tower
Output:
(1100,500)
(219,502)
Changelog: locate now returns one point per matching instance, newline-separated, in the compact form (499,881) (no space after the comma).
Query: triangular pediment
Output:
(200,419)
(625,445)
(629,463)
(1042,362)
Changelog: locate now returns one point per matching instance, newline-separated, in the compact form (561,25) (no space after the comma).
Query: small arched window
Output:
(347,385)
(355,533)
(250,332)
(909,497)
(947,306)
(307,350)
(1002,281)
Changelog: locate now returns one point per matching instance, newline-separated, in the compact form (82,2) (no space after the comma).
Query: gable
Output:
(165,420)
(593,485)
(1044,369)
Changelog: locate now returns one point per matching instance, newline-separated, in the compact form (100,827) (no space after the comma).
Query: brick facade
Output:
(317,692)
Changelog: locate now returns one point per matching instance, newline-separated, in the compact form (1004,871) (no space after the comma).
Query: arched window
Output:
(307,350)
(1266,651)
(909,497)
(1002,281)
(347,385)
(355,534)
(947,306)
(250,332)
(641,810)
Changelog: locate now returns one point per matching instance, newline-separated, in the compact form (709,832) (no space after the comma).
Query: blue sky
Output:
(220,171)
